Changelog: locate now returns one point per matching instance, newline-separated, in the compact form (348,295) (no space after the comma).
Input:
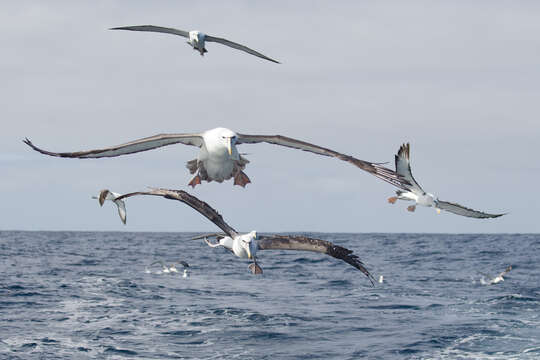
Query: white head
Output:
(427,199)
(222,137)
(194,36)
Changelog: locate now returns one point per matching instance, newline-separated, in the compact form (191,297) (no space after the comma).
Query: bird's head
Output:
(229,138)
(249,244)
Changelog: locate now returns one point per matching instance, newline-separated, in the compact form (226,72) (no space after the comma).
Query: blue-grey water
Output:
(66,295)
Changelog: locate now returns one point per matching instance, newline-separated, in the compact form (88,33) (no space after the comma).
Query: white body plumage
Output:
(196,40)
(218,153)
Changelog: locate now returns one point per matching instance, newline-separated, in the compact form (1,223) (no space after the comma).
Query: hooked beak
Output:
(229,146)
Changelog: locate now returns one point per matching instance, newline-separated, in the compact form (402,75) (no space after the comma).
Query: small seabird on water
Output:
(169,269)
(164,268)
(196,39)
(497,279)
(247,245)
(219,159)
(185,274)
(109,195)
(415,193)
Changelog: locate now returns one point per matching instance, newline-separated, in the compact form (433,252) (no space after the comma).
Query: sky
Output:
(460,81)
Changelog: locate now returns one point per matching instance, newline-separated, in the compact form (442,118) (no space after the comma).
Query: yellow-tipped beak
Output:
(249,253)
(229,146)
(438,211)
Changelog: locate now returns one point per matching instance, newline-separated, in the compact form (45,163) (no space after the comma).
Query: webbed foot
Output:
(392,200)
(195,181)
(255,269)
(241,179)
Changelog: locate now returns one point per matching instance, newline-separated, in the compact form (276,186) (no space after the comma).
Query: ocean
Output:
(79,295)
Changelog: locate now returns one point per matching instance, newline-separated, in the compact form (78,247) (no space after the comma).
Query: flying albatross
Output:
(219,159)
(196,38)
(415,193)
(247,245)
(113,197)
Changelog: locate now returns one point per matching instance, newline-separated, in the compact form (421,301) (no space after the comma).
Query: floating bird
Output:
(109,195)
(164,268)
(169,269)
(414,192)
(247,245)
(196,38)
(184,264)
(219,159)
(497,279)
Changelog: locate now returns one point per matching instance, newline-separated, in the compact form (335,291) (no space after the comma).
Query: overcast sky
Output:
(460,81)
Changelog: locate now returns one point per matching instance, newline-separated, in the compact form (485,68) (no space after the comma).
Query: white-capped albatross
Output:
(112,196)
(164,268)
(219,159)
(414,191)
(197,39)
(170,269)
(497,279)
(247,245)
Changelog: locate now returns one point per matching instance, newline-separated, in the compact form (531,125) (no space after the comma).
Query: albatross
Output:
(247,245)
(219,159)
(414,191)
(196,39)
(170,269)
(497,279)
(113,197)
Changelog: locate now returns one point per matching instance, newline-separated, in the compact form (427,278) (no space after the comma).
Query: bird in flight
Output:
(111,196)
(414,191)
(196,39)
(247,245)
(219,159)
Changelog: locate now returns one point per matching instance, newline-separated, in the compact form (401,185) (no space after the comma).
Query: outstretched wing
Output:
(160,262)
(121,210)
(238,47)
(153,28)
(131,147)
(302,243)
(375,169)
(199,205)
(463,211)
(403,168)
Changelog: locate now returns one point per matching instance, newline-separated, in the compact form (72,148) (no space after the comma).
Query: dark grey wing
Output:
(153,28)
(238,47)
(463,211)
(302,243)
(131,147)
(403,168)
(195,203)
(160,262)
(183,263)
(375,169)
